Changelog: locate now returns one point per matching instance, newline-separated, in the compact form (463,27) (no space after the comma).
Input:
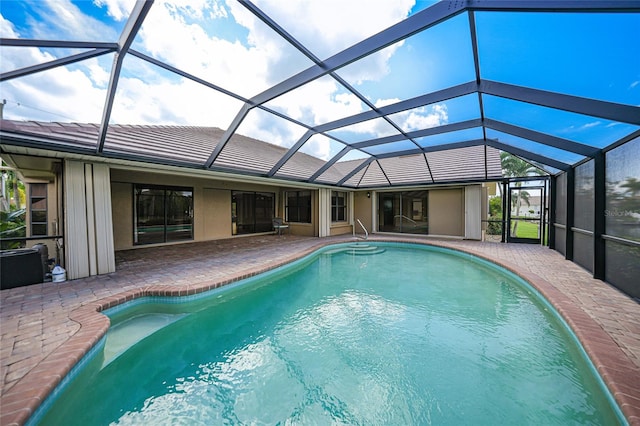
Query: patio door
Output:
(526,211)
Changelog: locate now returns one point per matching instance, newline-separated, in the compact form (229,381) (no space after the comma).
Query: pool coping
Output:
(619,373)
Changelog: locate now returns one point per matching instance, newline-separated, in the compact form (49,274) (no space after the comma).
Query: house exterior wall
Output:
(446,212)
(362,208)
(211,205)
(215,211)
(341,228)
(122,204)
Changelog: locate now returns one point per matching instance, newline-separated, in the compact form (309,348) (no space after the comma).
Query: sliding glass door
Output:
(252,212)
(162,214)
(403,212)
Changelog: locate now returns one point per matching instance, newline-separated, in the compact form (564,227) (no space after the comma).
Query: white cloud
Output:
(198,36)
(63,20)
(119,10)
(329,26)
(60,94)
(590,125)
(7,29)
(318,102)
(586,126)
(170,102)
(421,118)
(634,84)
(168,36)
(321,147)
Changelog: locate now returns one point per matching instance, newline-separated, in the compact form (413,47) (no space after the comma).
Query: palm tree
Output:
(633,186)
(513,166)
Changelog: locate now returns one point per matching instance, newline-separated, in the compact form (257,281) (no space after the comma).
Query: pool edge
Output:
(20,402)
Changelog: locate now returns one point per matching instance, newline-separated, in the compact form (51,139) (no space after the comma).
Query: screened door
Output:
(526,209)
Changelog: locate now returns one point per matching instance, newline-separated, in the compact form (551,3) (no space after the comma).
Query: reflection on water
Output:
(406,336)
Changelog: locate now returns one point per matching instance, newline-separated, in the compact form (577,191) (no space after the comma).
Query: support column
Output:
(571,191)
(324,212)
(505,212)
(600,188)
(552,211)
(89,248)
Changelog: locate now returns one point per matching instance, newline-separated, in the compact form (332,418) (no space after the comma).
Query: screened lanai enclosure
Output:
(386,96)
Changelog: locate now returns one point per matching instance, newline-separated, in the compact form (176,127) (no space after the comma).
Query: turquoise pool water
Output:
(399,335)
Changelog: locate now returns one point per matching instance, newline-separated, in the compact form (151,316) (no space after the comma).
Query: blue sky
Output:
(589,55)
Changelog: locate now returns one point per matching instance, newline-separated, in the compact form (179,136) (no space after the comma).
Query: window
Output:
(38,206)
(298,206)
(162,214)
(252,212)
(338,206)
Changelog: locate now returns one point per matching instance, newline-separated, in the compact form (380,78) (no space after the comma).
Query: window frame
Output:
(34,199)
(258,223)
(167,235)
(336,207)
(297,215)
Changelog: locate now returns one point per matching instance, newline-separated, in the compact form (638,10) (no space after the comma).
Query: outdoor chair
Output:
(279,225)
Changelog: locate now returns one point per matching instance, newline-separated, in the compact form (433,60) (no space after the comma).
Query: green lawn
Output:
(526,229)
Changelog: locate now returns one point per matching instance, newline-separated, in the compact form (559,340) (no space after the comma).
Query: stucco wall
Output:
(211,204)
(446,212)
(340,228)
(215,211)
(362,211)
(122,205)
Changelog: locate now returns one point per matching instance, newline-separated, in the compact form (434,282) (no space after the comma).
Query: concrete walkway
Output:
(47,328)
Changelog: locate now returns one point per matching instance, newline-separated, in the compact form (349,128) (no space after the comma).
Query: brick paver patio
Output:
(47,328)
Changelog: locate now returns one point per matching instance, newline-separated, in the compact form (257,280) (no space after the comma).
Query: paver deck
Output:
(47,328)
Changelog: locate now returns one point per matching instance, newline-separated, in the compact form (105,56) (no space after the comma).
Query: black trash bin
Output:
(20,267)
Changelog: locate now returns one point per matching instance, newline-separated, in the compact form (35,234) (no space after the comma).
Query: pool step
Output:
(358,249)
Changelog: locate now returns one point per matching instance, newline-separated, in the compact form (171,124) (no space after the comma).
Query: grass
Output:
(527,229)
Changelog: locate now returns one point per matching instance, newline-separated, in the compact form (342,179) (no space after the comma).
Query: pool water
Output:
(399,336)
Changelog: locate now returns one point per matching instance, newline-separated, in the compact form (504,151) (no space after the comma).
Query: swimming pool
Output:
(411,335)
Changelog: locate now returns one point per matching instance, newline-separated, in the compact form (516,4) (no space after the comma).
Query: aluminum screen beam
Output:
(300,47)
(454,145)
(383,173)
(329,163)
(596,6)
(623,140)
(446,147)
(129,32)
(185,74)
(53,64)
(430,98)
(476,65)
(427,18)
(528,154)
(602,109)
(419,133)
(228,134)
(291,152)
(398,153)
(353,172)
(420,21)
(543,138)
(63,44)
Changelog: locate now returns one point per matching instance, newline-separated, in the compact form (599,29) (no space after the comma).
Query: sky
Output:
(589,55)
